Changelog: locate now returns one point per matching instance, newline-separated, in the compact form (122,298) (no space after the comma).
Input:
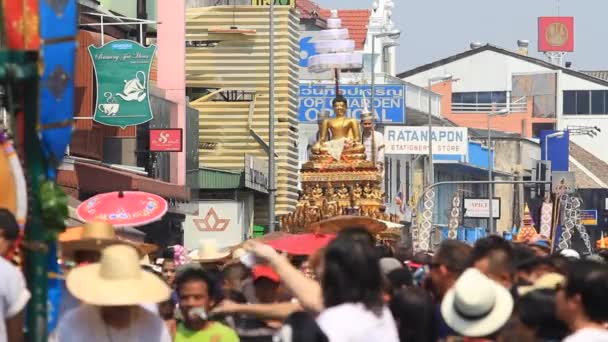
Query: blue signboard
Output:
(558,149)
(589,217)
(389,101)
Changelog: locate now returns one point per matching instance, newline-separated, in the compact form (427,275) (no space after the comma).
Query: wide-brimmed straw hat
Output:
(208,251)
(116,280)
(95,237)
(476,306)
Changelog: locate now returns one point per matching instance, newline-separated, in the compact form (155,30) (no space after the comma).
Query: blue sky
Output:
(434,29)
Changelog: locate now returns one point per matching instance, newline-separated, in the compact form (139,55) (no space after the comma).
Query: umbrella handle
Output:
(121,194)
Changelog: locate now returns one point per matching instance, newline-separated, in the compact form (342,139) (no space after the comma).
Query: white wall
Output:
(595,145)
(485,71)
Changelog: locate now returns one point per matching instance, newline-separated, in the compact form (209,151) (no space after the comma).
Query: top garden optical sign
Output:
(122,70)
(290,3)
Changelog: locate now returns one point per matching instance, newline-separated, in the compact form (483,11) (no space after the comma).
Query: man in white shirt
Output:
(582,303)
(13,292)
(373,141)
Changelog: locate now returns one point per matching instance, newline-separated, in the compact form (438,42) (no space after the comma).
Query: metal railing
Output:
(517,105)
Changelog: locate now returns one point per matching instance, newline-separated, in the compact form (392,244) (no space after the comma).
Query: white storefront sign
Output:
(478,208)
(414,140)
(222,221)
(256,173)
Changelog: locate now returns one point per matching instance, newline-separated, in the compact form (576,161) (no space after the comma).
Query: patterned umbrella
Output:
(123,209)
(301,244)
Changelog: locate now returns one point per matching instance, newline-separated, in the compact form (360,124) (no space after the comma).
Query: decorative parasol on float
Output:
(337,223)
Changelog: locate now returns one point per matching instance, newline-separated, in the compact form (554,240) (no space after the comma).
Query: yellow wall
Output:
(242,62)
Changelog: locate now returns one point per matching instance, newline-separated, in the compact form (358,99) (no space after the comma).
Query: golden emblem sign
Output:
(556,34)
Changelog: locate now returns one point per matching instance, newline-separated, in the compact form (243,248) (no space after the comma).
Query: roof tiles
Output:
(355,20)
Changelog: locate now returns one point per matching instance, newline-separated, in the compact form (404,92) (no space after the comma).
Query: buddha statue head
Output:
(340,105)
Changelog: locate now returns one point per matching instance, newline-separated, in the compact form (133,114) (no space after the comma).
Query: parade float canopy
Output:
(336,51)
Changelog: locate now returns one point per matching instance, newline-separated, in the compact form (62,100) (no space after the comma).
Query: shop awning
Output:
(99,178)
(455,166)
(209,178)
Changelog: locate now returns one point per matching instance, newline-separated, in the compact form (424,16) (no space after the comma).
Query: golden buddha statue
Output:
(340,128)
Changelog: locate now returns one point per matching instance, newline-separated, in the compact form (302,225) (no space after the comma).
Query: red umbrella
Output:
(301,244)
(123,208)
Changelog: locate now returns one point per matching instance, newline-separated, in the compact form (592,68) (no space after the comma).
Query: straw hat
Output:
(548,281)
(208,251)
(116,280)
(95,236)
(476,306)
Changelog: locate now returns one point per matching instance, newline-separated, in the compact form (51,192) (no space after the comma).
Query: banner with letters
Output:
(415,140)
(122,73)
(389,101)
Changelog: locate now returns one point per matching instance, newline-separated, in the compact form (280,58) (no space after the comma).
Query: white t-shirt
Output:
(13,294)
(354,323)
(84,323)
(588,335)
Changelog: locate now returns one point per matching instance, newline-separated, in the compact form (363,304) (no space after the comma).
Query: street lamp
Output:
(394,34)
(557,134)
(432,80)
(385,58)
(503,111)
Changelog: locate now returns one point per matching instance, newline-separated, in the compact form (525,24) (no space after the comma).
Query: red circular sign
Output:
(124,208)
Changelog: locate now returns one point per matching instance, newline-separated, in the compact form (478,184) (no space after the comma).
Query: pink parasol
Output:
(123,208)
(301,244)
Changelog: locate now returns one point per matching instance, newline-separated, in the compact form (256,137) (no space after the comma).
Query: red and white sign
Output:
(556,34)
(166,140)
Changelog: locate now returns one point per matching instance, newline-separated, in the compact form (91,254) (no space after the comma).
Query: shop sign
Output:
(290,3)
(256,173)
(479,208)
(389,101)
(589,217)
(166,140)
(122,71)
(556,34)
(218,220)
(415,140)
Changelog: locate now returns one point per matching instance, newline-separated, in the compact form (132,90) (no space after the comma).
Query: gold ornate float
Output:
(337,179)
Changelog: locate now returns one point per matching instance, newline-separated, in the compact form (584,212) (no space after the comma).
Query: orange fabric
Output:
(71,234)
(8,199)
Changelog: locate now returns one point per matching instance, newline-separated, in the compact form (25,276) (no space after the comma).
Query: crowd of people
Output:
(352,290)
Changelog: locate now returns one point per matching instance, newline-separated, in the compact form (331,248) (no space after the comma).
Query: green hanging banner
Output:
(122,70)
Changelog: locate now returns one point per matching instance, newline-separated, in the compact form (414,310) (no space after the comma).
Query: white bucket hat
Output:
(208,251)
(476,306)
(117,280)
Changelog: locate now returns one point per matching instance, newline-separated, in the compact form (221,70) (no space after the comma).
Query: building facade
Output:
(538,94)
(227,67)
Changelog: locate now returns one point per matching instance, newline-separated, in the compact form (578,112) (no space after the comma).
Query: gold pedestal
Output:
(350,186)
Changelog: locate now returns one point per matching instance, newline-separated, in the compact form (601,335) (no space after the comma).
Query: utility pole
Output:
(271,160)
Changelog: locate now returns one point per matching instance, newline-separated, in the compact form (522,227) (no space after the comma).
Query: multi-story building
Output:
(227,75)
(538,94)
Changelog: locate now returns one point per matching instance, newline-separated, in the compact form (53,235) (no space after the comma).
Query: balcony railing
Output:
(517,105)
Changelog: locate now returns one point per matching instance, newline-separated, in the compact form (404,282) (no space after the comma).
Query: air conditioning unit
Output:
(120,150)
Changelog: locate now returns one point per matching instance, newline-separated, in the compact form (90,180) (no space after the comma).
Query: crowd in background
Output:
(352,290)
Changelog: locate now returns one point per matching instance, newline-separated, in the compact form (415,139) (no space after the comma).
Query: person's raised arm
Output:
(307,291)
(264,311)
